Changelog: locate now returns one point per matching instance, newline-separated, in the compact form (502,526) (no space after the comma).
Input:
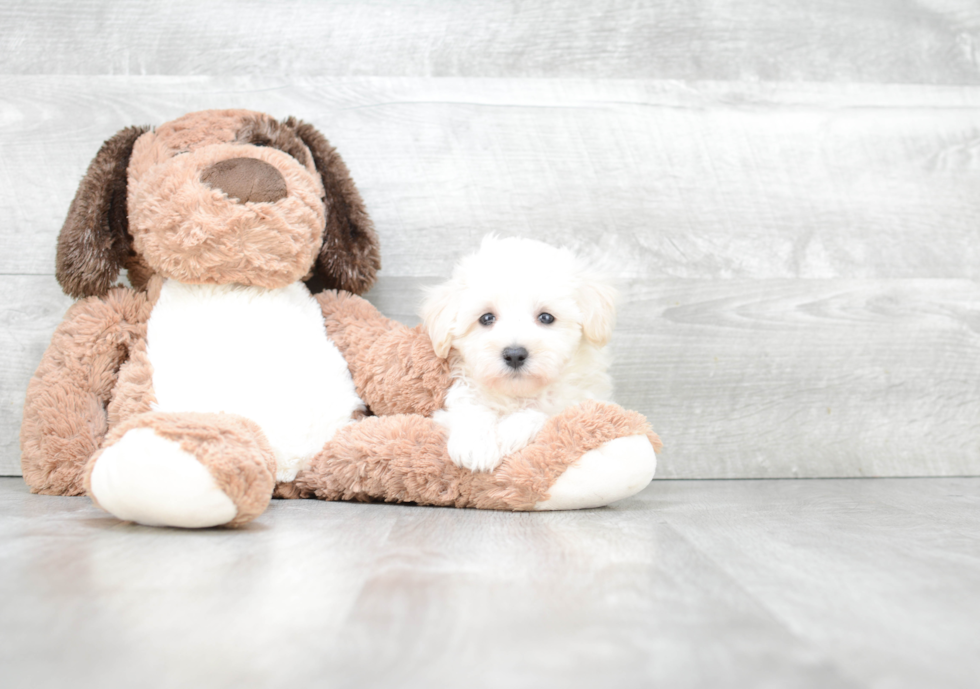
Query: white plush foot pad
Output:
(616,470)
(148,479)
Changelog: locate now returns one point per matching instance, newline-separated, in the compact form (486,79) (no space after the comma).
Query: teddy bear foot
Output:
(184,470)
(150,480)
(616,470)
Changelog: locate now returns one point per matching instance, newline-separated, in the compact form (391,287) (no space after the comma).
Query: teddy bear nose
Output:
(515,356)
(248,180)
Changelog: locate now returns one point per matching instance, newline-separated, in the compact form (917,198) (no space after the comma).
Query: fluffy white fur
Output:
(260,353)
(493,409)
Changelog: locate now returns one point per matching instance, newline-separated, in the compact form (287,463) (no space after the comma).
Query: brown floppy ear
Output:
(94,242)
(349,258)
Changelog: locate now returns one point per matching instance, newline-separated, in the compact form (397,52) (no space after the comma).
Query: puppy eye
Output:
(487,319)
(546,318)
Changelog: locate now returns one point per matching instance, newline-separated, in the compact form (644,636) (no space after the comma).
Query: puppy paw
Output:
(517,430)
(472,438)
(474,451)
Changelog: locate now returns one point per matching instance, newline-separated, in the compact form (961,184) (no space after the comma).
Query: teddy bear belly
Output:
(263,354)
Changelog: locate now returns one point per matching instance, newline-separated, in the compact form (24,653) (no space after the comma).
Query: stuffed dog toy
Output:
(219,380)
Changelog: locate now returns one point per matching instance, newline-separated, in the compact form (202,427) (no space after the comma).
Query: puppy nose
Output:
(246,179)
(515,356)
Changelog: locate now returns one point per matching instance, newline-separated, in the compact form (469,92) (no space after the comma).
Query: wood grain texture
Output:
(841,594)
(839,583)
(790,248)
(918,41)
(705,180)
(808,378)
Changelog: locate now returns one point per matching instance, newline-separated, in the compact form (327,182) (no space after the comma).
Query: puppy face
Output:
(517,312)
(206,205)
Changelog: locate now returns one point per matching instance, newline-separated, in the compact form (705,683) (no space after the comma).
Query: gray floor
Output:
(823,583)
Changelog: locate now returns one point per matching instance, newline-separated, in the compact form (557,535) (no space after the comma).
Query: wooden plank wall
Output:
(789,190)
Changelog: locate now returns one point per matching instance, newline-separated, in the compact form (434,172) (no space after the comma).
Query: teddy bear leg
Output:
(615,470)
(190,470)
(398,458)
(588,456)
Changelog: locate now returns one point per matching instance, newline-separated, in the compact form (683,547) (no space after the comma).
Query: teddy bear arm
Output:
(65,415)
(394,367)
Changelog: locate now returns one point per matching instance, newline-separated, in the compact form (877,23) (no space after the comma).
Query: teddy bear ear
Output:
(349,258)
(94,241)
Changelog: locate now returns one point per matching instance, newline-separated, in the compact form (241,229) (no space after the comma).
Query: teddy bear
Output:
(240,364)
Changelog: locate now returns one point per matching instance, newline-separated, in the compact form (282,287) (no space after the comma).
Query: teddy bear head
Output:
(218,197)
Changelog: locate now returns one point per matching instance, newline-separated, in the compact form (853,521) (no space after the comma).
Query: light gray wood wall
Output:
(789,191)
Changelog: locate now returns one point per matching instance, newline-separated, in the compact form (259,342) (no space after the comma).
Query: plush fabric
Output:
(65,415)
(403,458)
(349,257)
(246,180)
(133,393)
(396,372)
(260,353)
(183,135)
(395,368)
(188,231)
(233,449)
(261,130)
(94,243)
(173,207)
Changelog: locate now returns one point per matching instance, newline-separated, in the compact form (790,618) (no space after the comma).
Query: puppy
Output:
(524,326)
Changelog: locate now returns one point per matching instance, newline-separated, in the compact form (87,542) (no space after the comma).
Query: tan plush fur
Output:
(232,448)
(133,394)
(524,477)
(187,133)
(403,458)
(188,231)
(95,381)
(65,409)
(393,366)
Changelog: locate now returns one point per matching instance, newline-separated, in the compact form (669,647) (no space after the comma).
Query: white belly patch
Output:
(261,353)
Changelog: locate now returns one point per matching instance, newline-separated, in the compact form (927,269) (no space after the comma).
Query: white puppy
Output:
(524,326)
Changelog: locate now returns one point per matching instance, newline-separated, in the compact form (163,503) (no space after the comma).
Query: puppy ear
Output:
(439,314)
(349,258)
(94,242)
(597,299)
